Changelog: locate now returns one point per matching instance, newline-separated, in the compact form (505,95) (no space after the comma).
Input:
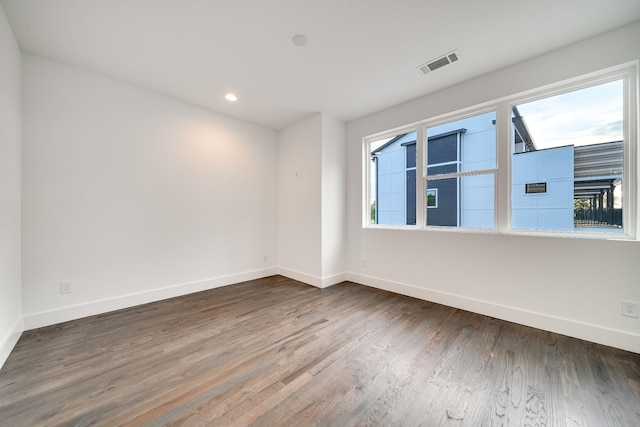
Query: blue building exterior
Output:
(461,201)
(545,183)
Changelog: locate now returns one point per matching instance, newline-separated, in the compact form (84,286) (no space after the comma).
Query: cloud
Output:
(583,117)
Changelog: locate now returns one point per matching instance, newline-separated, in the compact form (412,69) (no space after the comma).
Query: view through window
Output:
(461,161)
(393,180)
(572,143)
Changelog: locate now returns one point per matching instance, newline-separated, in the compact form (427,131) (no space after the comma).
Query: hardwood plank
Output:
(276,352)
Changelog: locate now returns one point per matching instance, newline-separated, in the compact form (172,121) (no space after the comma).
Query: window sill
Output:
(621,236)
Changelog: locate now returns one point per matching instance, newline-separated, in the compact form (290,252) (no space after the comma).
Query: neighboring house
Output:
(395,166)
(545,182)
(453,147)
(542,189)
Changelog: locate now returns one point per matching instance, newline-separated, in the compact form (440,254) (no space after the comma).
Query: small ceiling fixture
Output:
(439,62)
(231,97)
(300,40)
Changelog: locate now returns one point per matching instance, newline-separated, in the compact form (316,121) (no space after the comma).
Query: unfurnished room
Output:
(319,213)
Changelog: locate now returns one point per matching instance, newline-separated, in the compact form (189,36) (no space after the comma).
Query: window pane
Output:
(440,169)
(459,147)
(446,211)
(393,180)
(462,145)
(432,198)
(573,145)
(411,196)
(477,210)
(466,201)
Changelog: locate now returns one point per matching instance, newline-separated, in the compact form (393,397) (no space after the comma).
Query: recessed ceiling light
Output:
(300,40)
(231,97)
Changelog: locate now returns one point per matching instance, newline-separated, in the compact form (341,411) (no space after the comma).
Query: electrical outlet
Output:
(364,262)
(629,308)
(265,258)
(65,288)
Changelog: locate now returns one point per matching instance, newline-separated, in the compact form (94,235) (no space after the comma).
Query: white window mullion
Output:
(502,178)
(421,172)
(458,186)
(631,155)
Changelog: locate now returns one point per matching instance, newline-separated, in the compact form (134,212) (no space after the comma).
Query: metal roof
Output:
(599,161)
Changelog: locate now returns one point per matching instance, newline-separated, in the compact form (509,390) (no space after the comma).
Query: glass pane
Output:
(462,145)
(393,180)
(432,198)
(466,202)
(573,144)
(440,169)
(445,212)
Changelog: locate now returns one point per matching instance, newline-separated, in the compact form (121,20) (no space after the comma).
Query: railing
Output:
(596,218)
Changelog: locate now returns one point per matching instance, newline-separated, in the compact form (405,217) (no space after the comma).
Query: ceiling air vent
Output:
(439,62)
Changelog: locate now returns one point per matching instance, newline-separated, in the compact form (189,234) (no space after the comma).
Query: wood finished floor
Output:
(275,352)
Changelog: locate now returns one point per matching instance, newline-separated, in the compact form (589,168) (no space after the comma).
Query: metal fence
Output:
(597,218)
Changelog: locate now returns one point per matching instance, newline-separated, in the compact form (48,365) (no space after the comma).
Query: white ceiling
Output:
(361,57)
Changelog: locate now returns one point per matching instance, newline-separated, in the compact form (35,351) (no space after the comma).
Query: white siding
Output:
(392,191)
(552,210)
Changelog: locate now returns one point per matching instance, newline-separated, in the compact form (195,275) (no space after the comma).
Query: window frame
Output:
(367,171)
(502,174)
(628,73)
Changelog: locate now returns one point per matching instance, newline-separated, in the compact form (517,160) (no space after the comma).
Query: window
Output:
(461,161)
(535,188)
(557,161)
(392,173)
(573,141)
(432,198)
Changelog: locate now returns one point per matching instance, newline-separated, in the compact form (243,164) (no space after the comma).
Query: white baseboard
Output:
(51,317)
(334,280)
(594,333)
(301,277)
(10,340)
(318,282)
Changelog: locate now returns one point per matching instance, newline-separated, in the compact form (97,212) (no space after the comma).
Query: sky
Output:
(588,116)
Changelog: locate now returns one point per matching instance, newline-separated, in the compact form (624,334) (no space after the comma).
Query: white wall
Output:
(300,200)
(334,200)
(571,286)
(10,135)
(312,201)
(134,197)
